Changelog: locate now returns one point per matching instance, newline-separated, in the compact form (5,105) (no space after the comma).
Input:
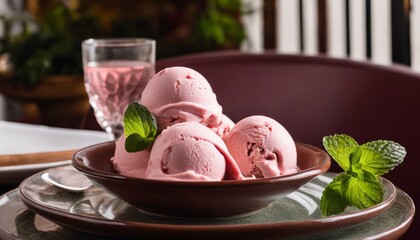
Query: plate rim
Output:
(315,225)
(395,231)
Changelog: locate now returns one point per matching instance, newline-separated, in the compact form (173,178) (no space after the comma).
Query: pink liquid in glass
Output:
(111,86)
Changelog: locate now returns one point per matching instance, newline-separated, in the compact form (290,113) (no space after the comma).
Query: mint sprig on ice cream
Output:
(360,184)
(140,127)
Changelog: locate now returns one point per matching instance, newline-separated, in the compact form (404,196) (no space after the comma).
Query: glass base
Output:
(115,131)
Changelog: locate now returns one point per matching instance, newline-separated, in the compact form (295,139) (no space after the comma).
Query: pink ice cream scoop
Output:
(130,164)
(191,152)
(226,124)
(181,94)
(262,147)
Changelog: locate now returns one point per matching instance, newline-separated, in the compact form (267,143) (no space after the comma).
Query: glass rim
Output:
(118,42)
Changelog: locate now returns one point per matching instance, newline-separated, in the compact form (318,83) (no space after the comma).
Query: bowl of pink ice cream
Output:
(193,189)
(201,164)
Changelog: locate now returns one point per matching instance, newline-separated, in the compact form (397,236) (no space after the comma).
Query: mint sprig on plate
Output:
(360,184)
(140,127)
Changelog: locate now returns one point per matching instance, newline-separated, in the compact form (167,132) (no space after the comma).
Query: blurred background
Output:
(41,39)
(40,64)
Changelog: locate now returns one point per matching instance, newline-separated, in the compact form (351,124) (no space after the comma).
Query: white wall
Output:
(254,25)
(287,39)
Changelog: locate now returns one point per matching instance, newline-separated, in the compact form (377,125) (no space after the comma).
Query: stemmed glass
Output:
(115,73)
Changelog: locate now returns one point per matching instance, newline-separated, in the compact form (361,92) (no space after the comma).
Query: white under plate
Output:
(19,139)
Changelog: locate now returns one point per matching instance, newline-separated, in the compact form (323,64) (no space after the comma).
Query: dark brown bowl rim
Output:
(313,171)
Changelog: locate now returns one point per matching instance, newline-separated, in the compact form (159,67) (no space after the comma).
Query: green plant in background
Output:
(185,26)
(52,49)
(220,26)
(179,27)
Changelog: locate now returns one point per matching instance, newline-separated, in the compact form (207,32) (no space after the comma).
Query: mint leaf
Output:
(140,127)
(340,147)
(360,185)
(379,157)
(355,158)
(332,200)
(135,143)
(363,192)
(138,119)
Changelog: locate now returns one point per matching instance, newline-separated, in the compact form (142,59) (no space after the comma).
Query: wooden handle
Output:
(44,157)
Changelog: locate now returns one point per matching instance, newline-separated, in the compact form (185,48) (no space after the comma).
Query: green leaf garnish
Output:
(135,143)
(360,185)
(340,147)
(140,127)
(380,157)
(332,200)
(363,192)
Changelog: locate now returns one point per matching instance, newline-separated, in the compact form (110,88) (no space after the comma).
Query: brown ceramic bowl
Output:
(197,199)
